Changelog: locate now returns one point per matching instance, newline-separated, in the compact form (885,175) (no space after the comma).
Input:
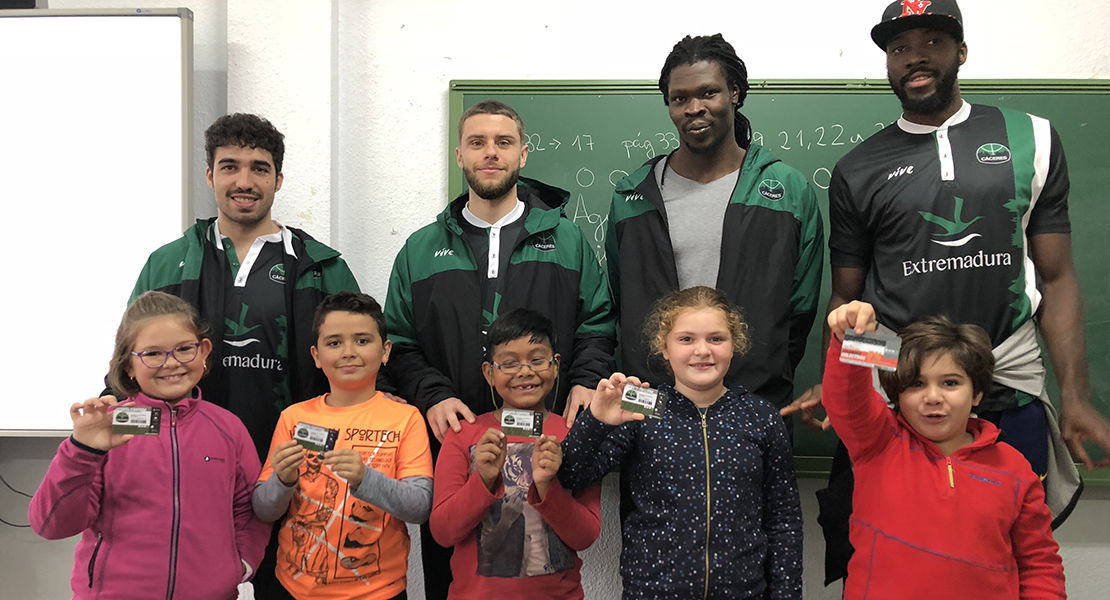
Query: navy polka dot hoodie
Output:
(716,510)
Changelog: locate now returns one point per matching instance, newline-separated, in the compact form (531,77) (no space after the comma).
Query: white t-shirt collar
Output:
(513,215)
(492,260)
(917,128)
(283,236)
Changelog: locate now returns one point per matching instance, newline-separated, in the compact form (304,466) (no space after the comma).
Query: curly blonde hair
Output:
(149,306)
(667,309)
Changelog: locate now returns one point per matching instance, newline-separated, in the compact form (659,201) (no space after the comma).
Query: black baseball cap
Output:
(903,15)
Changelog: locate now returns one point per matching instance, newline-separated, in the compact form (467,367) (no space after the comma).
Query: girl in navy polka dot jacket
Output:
(715,504)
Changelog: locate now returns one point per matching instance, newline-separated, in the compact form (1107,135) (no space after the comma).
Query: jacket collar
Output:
(306,250)
(184,407)
(984,432)
(643,180)
(543,205)
(681,405)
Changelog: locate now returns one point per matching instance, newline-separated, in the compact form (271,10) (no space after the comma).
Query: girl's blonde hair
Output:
(659,324)
(150,305)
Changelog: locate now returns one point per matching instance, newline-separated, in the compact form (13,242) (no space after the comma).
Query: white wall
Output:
(210,80)
(360,89)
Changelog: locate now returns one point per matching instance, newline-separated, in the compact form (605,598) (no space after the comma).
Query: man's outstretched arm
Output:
(1061,323)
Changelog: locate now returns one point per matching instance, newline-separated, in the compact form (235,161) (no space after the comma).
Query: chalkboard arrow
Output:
(556,142)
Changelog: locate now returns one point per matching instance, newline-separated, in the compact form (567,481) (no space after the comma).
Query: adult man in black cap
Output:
(961,209)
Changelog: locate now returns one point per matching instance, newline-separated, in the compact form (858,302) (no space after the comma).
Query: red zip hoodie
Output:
(973,525)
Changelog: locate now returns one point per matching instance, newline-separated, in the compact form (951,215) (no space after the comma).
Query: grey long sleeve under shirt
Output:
(408,499)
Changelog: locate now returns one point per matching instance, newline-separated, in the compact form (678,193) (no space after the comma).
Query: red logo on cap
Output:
(914,7)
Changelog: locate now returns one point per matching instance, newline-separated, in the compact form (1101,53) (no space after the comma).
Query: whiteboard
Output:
(95,171)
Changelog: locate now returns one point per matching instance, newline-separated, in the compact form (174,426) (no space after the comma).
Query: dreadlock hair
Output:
(712,48)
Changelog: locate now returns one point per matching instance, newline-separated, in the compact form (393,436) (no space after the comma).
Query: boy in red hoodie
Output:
(516,531)
(942,509)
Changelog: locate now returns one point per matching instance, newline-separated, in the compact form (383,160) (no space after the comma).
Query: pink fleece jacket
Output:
(166,516)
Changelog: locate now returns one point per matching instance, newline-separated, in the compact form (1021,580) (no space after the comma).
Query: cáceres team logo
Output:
(545,242)
(277,273)
(772,189)
(993,154)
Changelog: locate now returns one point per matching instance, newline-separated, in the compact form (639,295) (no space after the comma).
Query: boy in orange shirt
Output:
(350,467)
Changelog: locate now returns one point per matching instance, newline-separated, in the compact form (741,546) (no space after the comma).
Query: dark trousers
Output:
(265,581)
(437,565)
(435,559)
(1024,428)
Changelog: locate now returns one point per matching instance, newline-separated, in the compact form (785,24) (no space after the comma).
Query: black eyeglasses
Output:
(156,359)
(538,365)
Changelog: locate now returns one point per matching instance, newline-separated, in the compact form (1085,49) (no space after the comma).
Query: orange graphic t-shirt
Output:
(333,545)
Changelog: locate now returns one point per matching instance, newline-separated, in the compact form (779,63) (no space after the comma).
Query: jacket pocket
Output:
(886,574)
(92,559)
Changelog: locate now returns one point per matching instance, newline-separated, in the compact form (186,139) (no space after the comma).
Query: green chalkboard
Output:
(583,136)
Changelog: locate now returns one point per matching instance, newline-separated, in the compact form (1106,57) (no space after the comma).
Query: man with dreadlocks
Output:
(721,212)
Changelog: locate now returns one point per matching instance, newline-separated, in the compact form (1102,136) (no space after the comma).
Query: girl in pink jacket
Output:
(167,513)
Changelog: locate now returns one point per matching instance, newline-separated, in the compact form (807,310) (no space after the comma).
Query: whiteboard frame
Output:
(186,23)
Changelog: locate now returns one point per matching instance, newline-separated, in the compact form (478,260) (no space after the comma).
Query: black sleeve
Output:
(1050,213)
(592,449)
(408,370)
(593,360)
(850,242)
(595,334)
(413,379)
(385,383)
(782,514)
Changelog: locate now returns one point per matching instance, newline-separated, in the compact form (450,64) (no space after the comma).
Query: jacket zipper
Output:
(92,560)
(483,286)
(175,529)
(708,503)
(951,474)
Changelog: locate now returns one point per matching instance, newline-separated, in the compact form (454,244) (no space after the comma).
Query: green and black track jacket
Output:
(772,246)
(194,269)
(435,315)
